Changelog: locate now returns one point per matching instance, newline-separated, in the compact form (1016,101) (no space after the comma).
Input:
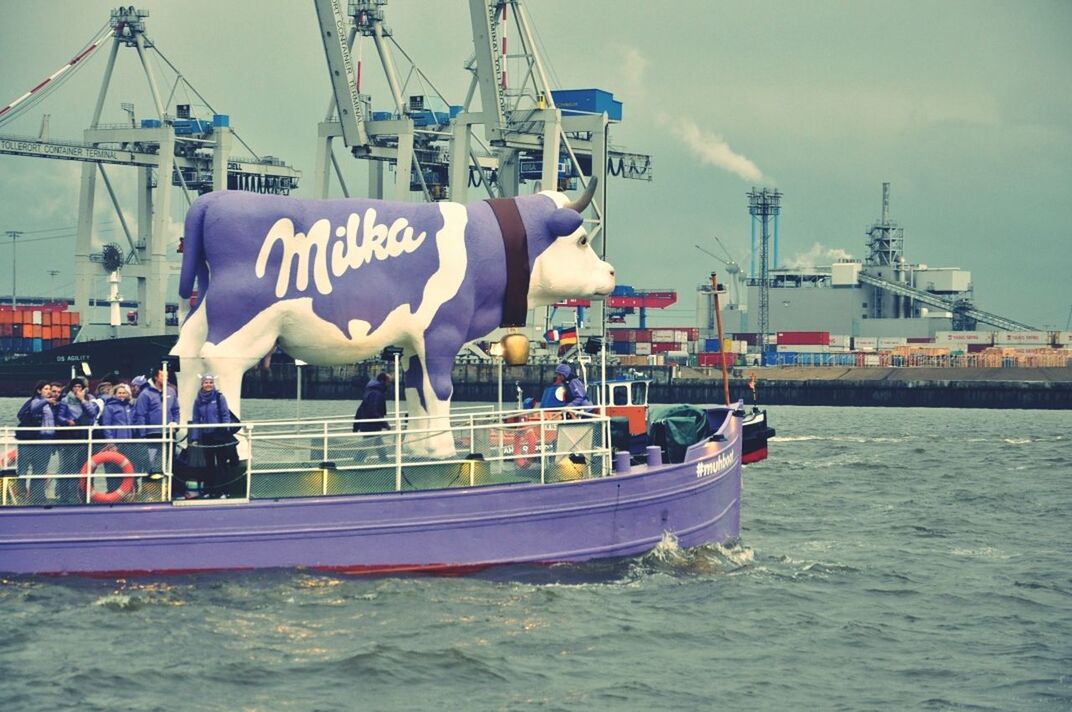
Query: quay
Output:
(1009,387)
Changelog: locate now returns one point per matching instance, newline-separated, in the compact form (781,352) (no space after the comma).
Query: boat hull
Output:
(697,502)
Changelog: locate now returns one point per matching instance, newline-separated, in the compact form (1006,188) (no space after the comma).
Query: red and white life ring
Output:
(524,448)
(10,458)
(113,457)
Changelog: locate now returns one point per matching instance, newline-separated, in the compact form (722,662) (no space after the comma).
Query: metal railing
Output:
(303,458)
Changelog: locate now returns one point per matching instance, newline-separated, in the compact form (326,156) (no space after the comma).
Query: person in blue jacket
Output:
(117,422)
(77,410)
(149,416)
(34,453)
(210,408)
(371,416)
(576,393)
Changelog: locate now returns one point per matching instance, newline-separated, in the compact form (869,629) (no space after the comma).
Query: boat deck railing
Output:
(272,459)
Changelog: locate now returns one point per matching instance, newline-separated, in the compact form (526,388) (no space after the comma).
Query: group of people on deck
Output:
(114,416)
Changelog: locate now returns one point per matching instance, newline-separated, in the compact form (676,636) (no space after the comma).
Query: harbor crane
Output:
(171,149)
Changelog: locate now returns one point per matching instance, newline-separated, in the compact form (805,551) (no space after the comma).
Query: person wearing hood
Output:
(77,408)
(210,409)
(371,415)
(149,414)
(576,392)
(136,384)
(117,422)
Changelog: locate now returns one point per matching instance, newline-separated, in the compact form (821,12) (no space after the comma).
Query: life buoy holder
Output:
(524,448)
(10,458)
(113,457)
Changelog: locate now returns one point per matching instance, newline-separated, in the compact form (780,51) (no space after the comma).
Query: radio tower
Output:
(764,205)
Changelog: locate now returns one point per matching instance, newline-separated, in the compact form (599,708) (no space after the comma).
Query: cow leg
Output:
(429,407)
(416,443)
(188,348)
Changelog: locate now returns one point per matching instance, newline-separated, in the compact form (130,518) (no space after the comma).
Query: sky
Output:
(964,107)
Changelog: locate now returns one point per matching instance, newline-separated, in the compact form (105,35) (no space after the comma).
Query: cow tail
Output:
(193,251)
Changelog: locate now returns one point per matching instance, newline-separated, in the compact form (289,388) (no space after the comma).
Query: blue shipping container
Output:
(711,345)
(222,120)
(574,102)
(38,344)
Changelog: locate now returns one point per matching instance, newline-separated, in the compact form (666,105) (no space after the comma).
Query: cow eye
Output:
(584,240)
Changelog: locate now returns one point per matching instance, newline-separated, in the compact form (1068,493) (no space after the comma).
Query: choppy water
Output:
(891,559)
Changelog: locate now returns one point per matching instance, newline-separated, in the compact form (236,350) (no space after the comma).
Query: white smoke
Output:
(815,256)
(713,149)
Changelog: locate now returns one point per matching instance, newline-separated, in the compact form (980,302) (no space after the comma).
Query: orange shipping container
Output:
(75,316)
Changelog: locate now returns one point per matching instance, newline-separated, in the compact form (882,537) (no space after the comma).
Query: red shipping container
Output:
(920,340)
(75,319)
(66,331)
(977,348)
(7,317)
(643,336)
(694,333)
(662,347)
(803,338)
(715,358)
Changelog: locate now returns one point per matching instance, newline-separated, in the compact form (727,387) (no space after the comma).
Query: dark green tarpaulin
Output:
(675,427)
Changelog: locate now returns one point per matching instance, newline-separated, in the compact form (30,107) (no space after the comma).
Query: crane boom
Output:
(336,38)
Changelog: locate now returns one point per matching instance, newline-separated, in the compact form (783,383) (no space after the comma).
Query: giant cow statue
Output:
(335,281)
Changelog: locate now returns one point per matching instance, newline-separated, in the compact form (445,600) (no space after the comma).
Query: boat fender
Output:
(524,448)
(113,457)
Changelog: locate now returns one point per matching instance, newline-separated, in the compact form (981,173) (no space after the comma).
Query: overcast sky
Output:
(964,107)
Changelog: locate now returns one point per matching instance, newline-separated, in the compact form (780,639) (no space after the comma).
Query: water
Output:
(891,559)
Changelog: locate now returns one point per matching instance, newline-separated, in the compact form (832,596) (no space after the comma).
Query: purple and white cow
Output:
(335,281)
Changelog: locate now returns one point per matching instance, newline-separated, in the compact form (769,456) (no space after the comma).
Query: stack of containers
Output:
(680,341)
(25,330)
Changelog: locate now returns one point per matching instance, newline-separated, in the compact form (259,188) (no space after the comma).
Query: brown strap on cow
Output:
(516,244)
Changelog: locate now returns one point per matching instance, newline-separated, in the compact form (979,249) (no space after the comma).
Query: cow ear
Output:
(564,221)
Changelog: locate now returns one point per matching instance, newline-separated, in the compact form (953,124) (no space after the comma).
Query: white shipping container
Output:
(1063,338)
(871,360)
(865,343)
(839,341)
(889,342)
(1021,338)
(946,338)
(681,334)
(37,317)
(803,348)
(643,349)
(663,335)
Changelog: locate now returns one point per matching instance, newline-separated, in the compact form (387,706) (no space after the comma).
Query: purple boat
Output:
(306,495)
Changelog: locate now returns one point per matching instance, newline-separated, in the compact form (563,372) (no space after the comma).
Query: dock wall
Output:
(1037,388)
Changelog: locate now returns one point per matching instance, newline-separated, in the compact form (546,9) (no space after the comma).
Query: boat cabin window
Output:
(619,394)
(639,393)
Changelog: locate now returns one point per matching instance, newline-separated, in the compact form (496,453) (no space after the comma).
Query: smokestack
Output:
(885,203)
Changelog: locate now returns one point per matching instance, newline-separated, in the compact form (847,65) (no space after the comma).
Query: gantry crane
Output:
(171,149)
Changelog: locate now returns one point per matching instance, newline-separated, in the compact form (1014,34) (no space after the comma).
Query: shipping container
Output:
(662,347)
(889,342)
(711,345)
(1062,338)
(920,340)
(864,343)
(948,338)
(622,347)
(1021,338)
(808,338)
(748,338)
(716,359)
(643,348)
(662,335)
(841,341)
(803,349)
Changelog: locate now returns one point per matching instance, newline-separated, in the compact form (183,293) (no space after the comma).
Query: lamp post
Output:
(14,235)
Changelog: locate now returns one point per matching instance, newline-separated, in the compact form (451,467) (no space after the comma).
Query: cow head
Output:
(563,262)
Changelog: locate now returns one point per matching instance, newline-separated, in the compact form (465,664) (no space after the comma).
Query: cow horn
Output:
(581,203)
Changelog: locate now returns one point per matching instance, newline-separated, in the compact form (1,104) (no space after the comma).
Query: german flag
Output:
(568,336)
